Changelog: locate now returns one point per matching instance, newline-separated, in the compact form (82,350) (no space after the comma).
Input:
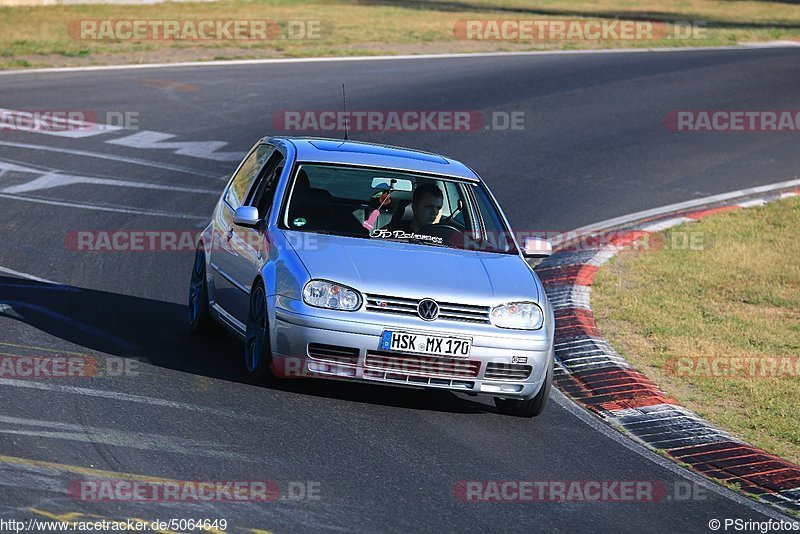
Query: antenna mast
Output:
(346,118)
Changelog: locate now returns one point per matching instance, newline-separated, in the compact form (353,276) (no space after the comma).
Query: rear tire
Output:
(529,407)
(257,352)
(199,316)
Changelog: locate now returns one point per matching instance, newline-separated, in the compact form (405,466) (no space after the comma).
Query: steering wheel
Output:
(444,230)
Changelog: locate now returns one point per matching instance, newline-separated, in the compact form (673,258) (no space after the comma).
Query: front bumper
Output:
(305,344)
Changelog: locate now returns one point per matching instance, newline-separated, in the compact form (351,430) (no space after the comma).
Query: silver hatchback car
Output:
(355,261)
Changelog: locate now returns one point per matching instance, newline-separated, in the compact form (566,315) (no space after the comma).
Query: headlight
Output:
(324,294)
(518,315)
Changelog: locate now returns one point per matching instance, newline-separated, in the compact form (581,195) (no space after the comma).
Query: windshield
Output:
(394,205)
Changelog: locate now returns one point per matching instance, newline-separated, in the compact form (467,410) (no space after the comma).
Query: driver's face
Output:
(428,210)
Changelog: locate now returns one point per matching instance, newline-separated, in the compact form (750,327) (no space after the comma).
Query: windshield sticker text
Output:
(400,234)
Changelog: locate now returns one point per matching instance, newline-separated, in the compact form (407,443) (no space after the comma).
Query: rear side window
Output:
(246,175)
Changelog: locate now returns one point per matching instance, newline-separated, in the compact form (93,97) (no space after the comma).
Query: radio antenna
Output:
(346,118)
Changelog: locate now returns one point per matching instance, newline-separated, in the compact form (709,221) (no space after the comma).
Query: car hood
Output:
(416,271)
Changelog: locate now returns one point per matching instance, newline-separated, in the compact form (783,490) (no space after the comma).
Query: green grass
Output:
(39,36)
(735,296)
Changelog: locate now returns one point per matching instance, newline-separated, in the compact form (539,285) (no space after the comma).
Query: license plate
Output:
(456,347)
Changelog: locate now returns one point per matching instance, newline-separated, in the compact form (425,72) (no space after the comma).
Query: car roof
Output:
(326,150)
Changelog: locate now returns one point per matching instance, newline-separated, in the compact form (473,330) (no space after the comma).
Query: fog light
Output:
(501,388)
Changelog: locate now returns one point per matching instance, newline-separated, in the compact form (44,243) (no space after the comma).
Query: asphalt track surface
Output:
(594,147)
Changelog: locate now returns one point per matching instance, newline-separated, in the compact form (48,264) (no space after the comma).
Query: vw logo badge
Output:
(427,309)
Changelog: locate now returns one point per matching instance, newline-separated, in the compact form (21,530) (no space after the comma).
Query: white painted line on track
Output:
(128,397)
(49,180)
(130,211)
(149,140)
(752,203)
(11,166)
(278,61)
(115,158)
(680,206)
(121,440)
(58,126)
(603,256)
(114,437)
(144,139)
(667,224)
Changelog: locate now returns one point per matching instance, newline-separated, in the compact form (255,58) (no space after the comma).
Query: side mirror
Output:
(537,248)
(246,216)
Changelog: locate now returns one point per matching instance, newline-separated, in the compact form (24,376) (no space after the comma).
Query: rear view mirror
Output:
(536,247)
(395,184)
(246,216)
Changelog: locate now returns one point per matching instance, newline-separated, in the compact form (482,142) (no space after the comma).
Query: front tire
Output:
(529,407)
(199,316)
(257,353)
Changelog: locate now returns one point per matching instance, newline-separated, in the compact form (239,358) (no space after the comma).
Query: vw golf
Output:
(355,261)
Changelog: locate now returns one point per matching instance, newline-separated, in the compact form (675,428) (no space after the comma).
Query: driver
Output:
(426,207)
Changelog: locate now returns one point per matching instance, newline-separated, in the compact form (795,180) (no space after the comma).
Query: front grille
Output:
(507,371)
(421,365)
(332,353)
(407,306)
